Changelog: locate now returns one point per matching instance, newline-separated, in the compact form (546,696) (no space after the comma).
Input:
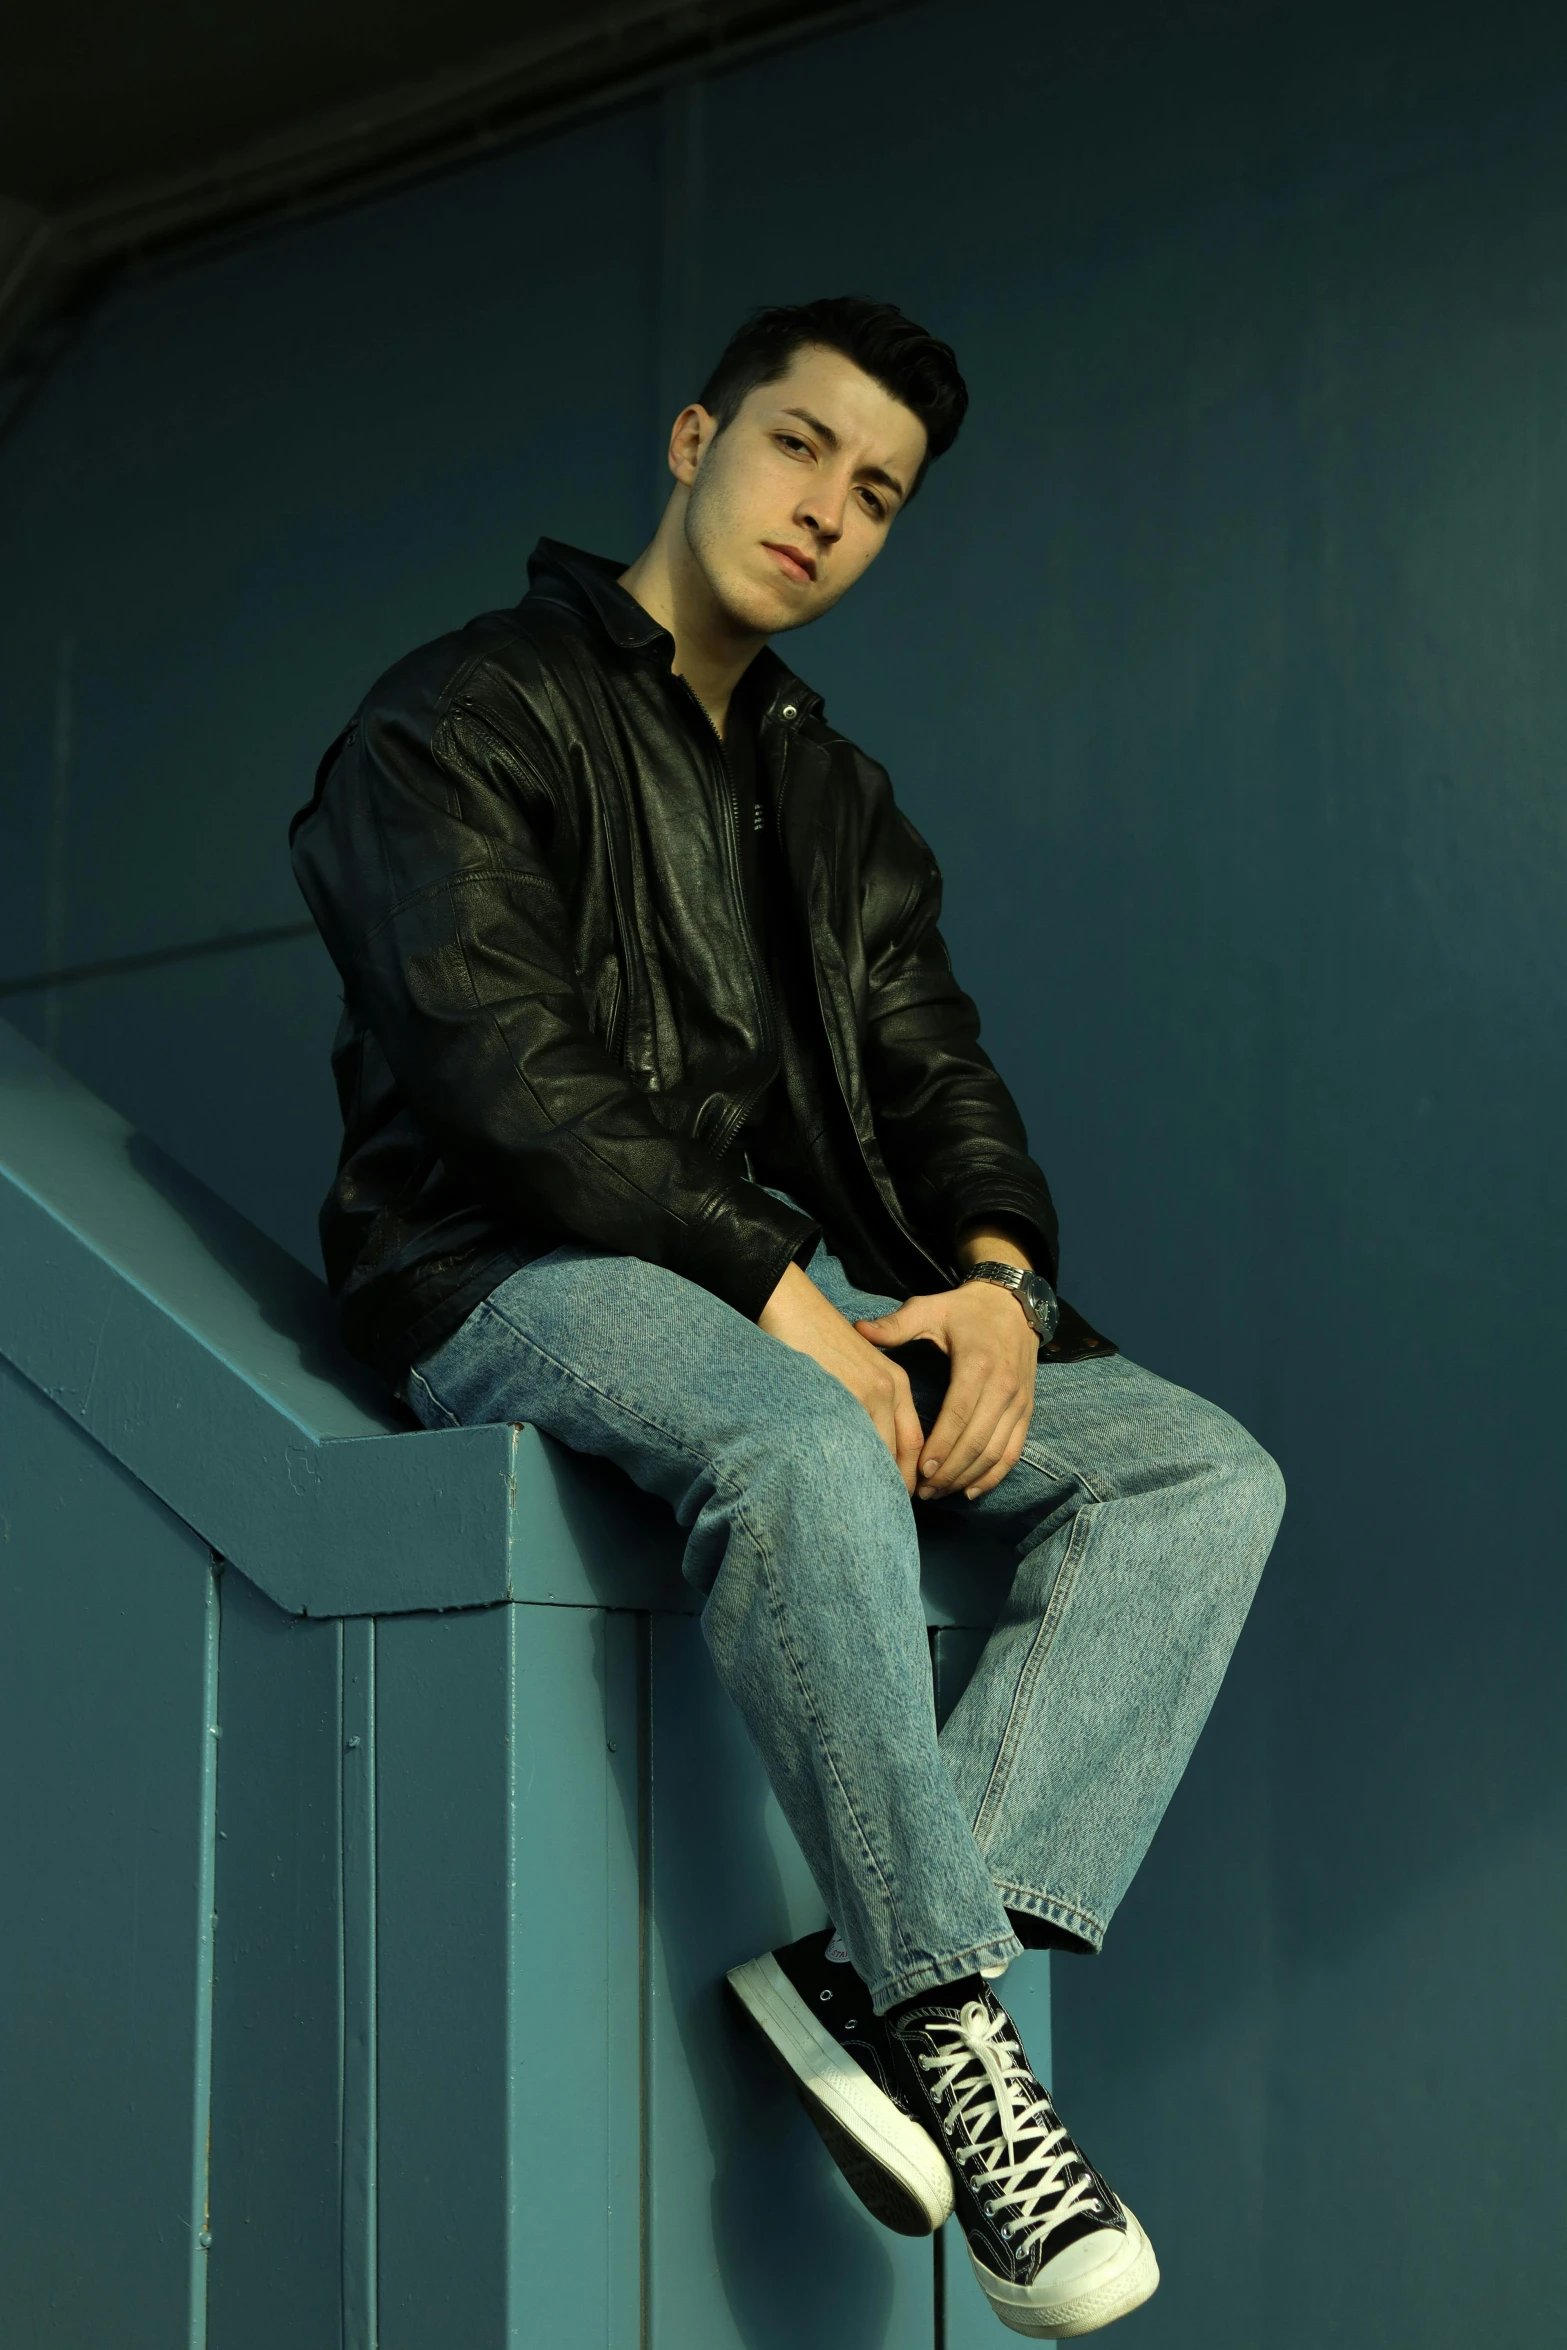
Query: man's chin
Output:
(765,611)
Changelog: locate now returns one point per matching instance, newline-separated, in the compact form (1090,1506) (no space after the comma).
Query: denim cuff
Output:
(933,1972)
(1077,1929)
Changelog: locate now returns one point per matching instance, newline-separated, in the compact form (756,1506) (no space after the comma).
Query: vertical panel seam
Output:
(938,2278)
(513,1827)
(360,2040)
(206,1956)
(340,1728)
(644,1738)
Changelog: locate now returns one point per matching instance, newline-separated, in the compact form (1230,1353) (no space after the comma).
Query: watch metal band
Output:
(1033,1293)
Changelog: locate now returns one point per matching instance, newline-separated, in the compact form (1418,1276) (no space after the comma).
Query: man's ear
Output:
(689,437)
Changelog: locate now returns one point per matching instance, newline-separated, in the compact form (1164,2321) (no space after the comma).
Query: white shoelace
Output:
(1003,2081)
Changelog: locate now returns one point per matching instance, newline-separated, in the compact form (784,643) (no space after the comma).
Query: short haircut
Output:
(906,361)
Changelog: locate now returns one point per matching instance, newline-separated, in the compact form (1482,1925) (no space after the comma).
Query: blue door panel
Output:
(571,2025)
(506,1953)
(107,1624)
(443,1752)
(277,2055)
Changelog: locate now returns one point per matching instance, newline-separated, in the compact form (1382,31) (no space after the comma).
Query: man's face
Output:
(794,498)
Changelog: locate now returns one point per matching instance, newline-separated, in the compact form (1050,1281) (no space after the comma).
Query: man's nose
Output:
(823,515)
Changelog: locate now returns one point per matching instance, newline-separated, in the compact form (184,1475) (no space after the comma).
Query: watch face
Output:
(1033,1293)
(1041,1303)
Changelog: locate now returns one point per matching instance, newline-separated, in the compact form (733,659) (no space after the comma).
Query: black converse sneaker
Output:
(816,2013)
(1056,2252)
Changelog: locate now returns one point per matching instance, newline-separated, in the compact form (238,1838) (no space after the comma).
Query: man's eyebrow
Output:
(824,432)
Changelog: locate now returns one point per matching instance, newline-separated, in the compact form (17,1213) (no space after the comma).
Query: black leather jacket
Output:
(521,855)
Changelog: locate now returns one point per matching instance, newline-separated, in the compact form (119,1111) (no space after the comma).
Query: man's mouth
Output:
(793,562)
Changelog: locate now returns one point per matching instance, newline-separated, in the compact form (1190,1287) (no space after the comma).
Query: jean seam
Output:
(444,1410)
(737,1497)
(1061,1913)
(1033,1666)
(816,1724)
(1049,1466)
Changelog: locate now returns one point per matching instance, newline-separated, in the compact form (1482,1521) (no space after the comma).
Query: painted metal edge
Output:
(361,2252)
(206,1954)
(201,1357)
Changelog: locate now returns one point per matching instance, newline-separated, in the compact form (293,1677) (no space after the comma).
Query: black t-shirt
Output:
(768,1139)
(743,759)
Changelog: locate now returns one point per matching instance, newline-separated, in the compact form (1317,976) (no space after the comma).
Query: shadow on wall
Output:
(288,1298)
(224,1059)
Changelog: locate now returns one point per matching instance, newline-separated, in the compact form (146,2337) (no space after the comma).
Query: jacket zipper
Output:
(943,1272)
(737,1117)
(616,1018)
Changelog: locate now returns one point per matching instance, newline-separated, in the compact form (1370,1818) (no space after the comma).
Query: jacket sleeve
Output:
(423,859)
(948,1127)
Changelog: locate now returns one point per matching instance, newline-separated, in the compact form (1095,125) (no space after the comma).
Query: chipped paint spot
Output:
(304,1470)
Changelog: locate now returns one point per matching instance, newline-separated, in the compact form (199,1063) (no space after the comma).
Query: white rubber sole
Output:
(1094,2292)
(894,2166)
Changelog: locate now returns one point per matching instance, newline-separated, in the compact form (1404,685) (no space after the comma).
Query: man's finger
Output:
(963,1393)
(979,1393)
(910,1437)
(968,1476)
(890,1405)
(1012,1451)
(980,1444)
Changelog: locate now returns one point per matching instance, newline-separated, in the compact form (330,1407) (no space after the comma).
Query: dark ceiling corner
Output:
(129,130)
(126,136)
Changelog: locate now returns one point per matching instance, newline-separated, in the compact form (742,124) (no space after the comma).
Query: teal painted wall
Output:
(1223,663)
(108,1673)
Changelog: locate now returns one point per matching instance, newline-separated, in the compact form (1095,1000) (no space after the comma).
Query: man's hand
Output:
(994,1354)
(798,1314)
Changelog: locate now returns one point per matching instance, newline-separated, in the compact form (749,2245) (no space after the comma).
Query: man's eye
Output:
(792,440)
(873,505)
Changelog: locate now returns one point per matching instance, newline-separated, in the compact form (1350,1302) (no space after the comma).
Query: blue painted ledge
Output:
(202,1357)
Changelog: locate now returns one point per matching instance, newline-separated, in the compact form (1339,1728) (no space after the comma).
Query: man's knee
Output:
(1241,1471)
(823,1463)
(1269,1484)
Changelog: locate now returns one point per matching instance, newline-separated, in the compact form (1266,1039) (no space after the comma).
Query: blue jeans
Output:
(1140,1516)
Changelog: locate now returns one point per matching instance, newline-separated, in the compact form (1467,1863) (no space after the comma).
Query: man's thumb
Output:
(887,1329)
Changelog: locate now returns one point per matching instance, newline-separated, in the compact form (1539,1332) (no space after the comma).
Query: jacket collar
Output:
(591,584)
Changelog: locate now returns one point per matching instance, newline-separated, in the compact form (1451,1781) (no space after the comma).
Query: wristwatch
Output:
(1041,1306)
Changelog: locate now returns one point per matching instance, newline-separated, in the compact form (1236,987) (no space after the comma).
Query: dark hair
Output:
(906,361)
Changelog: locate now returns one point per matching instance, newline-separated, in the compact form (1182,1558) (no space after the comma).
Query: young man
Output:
(660,1095)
